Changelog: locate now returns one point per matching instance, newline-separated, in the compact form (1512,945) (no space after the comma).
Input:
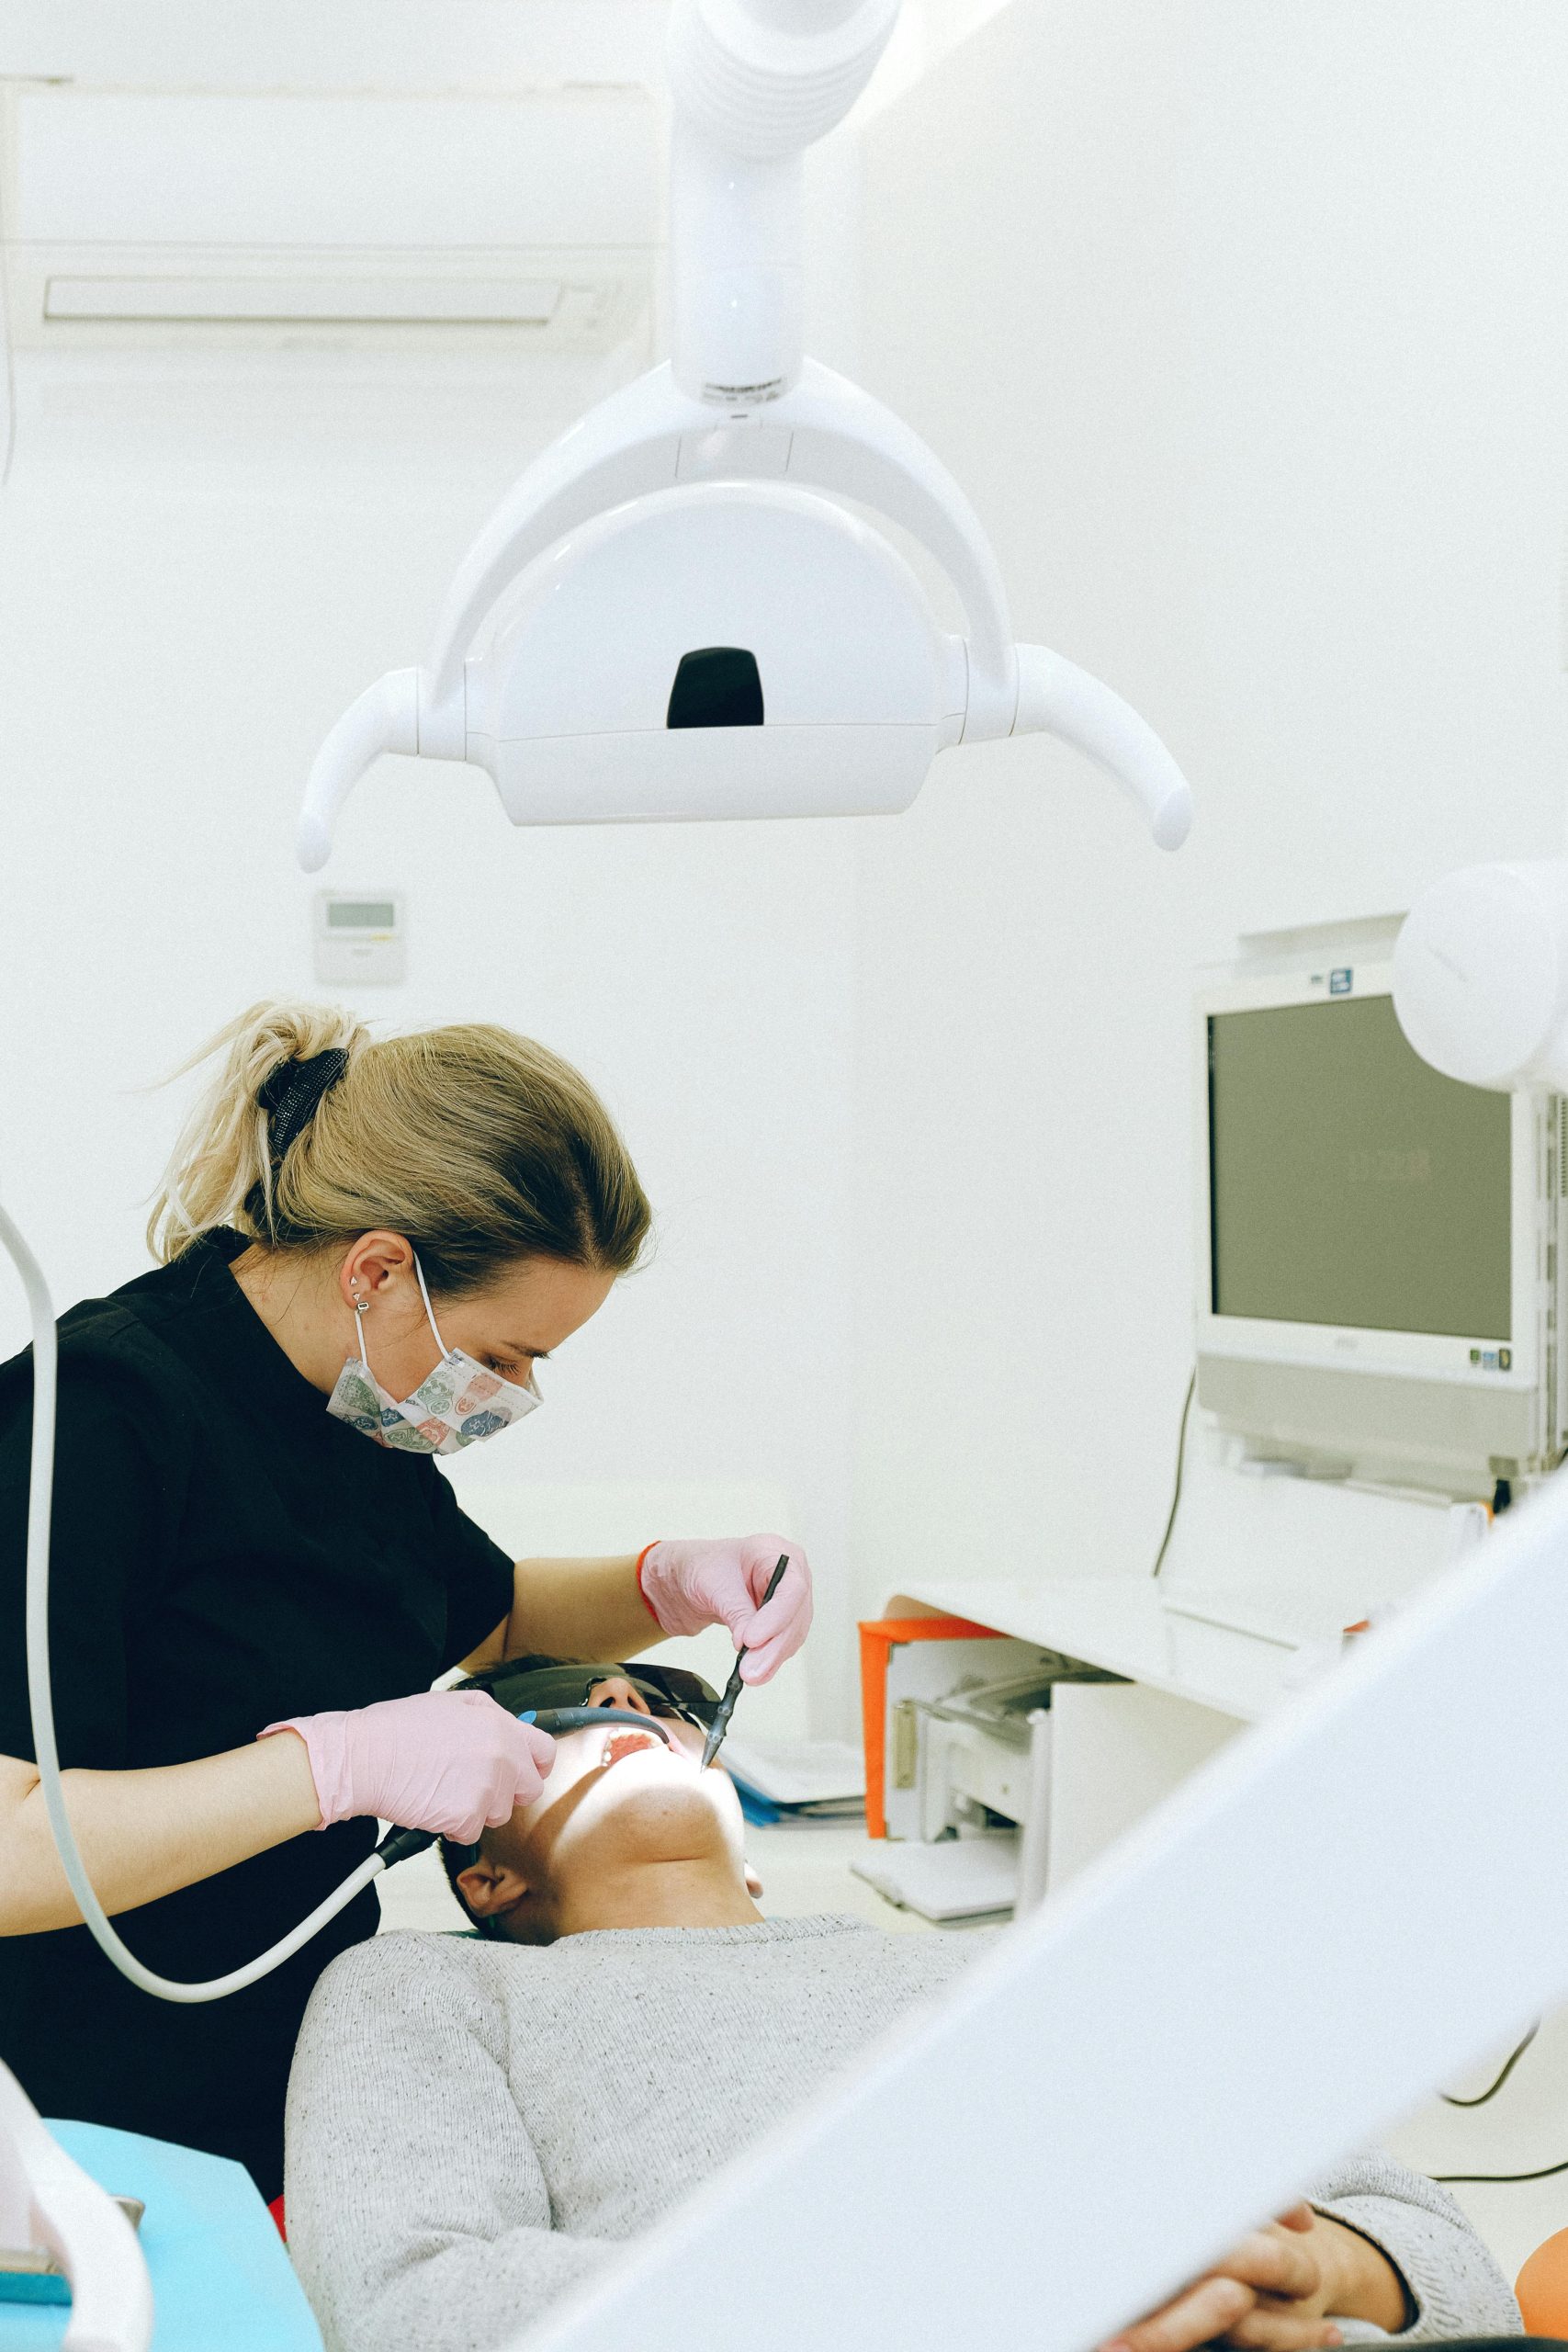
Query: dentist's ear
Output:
(487,1887)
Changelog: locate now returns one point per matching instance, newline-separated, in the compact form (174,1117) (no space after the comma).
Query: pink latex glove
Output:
(720,1581)
(449,1760)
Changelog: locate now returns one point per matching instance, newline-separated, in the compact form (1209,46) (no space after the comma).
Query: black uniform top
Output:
(225,1553)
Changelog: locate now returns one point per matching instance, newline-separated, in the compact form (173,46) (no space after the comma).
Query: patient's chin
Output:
(656,1816)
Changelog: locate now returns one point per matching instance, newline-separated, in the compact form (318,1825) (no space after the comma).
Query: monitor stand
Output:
(1292,1560)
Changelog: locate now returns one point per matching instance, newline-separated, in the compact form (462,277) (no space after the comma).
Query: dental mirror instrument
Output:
(732,1688)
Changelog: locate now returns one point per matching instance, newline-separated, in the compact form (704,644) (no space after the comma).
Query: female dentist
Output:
(366,1248)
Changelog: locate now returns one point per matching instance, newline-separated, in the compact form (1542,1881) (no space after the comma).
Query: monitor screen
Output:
(361,914)
(1350,1183)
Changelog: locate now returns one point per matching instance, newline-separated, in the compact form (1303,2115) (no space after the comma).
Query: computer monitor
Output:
(1381,1250)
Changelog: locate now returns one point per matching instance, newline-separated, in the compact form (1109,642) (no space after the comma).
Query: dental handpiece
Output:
(733,1687)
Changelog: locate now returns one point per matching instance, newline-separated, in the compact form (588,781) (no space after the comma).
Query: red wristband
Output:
(642,1596)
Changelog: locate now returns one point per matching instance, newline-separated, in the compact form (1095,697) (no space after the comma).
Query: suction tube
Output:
(40,1697)
(557,1720)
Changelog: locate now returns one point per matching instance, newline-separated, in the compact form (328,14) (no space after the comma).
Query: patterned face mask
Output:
(457,1405)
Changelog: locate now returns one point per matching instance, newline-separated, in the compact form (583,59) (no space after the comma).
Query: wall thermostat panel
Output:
(360,936)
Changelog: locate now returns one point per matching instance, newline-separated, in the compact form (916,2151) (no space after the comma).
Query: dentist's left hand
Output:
(720,1581)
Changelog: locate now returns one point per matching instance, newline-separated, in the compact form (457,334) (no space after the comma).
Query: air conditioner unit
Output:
(166,219)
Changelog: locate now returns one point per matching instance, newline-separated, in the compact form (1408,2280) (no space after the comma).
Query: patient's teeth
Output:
(627,1742)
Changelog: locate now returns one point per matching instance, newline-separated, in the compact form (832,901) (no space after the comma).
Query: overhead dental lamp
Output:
(672,614)
(1481,975)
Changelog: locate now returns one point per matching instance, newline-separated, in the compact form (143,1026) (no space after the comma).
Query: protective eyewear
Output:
(539,1688)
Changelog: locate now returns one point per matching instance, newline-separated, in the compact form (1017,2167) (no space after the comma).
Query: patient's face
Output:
(618,1796)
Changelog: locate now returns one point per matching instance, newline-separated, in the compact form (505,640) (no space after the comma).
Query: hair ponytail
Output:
(222,1159)
(478,1144)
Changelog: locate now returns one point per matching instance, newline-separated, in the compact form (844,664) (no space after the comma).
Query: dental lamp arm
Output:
(754,83)
(1055,697)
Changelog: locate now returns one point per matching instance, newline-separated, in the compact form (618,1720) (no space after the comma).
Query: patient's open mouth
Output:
(628,1742)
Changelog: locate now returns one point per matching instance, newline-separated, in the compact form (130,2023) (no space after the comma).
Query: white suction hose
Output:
(46,1752)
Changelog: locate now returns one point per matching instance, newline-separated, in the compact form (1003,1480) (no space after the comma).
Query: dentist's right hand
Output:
(451,1761)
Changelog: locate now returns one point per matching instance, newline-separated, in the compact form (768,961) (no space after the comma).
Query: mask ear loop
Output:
(429,1310)
(529,1387)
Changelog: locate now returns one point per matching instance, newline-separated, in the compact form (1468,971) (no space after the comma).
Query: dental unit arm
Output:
(52,2212)
(668,616)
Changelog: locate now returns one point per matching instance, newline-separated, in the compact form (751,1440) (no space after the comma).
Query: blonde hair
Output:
(478,1144)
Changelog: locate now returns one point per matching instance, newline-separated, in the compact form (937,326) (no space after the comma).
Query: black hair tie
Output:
(293,1092)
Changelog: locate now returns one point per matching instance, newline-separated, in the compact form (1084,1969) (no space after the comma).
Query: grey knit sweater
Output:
(468,2121)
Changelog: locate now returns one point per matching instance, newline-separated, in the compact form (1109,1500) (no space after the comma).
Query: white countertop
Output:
(1122,1624)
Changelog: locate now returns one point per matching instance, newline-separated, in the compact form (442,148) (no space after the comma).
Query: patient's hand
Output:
(1279,2291)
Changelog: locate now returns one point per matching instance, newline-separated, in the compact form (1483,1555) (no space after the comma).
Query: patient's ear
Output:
(488,1887)
(753,1883)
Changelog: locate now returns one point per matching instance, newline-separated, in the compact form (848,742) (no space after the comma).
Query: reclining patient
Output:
(476,2122)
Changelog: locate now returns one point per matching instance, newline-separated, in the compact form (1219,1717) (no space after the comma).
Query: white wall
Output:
(1245,326)
(350,44)
(195,576)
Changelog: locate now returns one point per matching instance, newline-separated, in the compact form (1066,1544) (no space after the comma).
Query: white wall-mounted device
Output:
(673,615)
(1481,974)
(360,937)
(138,220)
(1381,1245)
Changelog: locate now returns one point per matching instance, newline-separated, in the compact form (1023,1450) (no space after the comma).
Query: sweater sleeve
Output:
(1455,2287)
(418,2213)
